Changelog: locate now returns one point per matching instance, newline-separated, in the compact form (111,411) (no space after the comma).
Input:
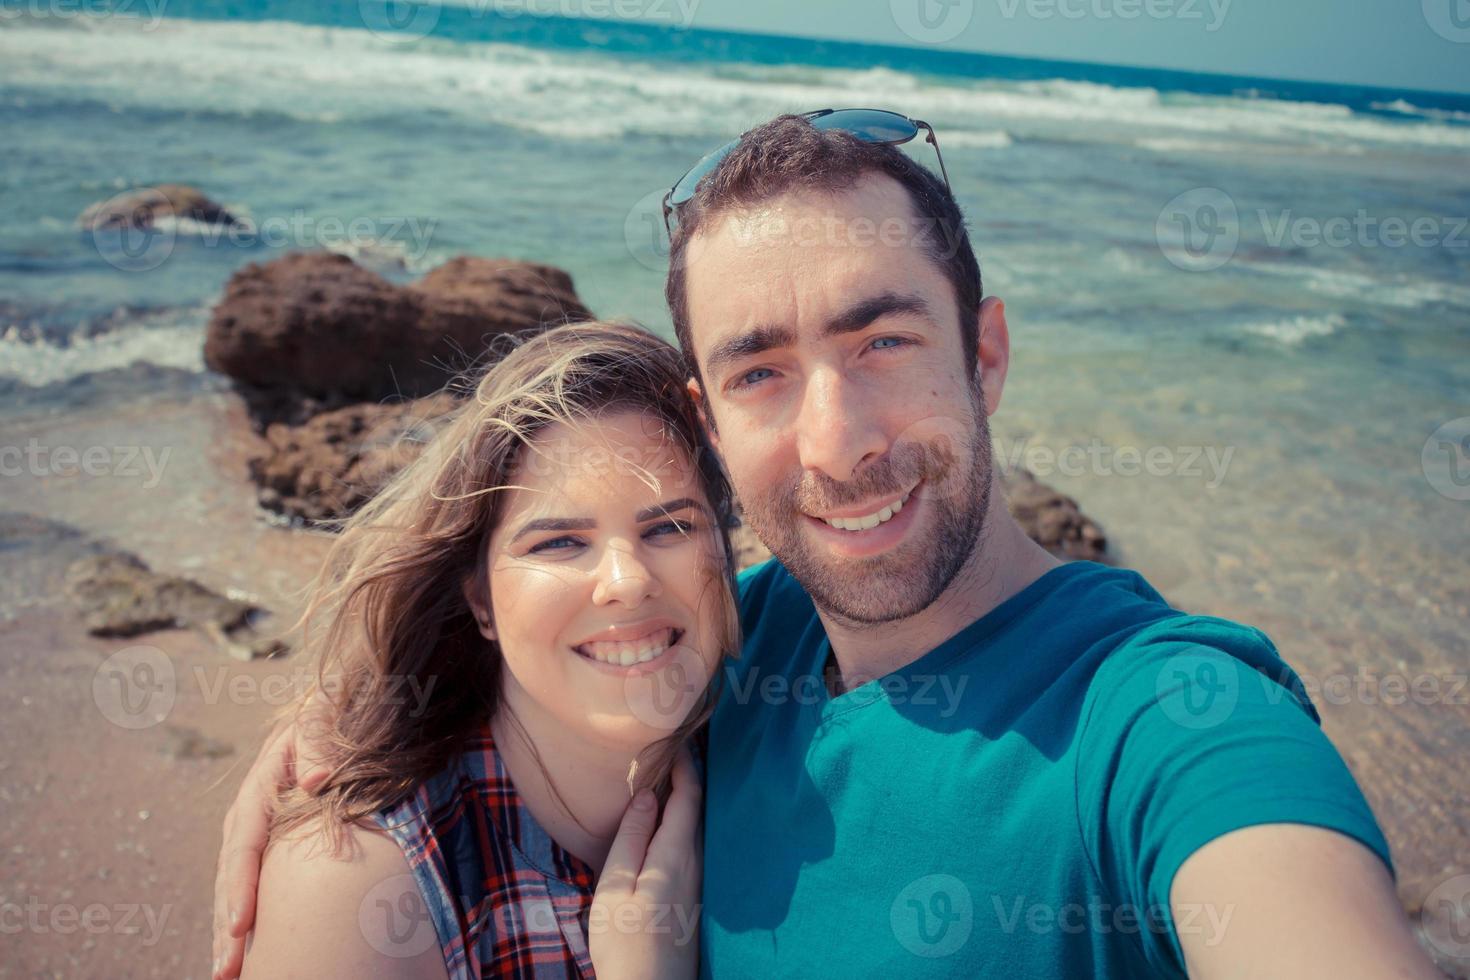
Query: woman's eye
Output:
(669,527)
(555,544)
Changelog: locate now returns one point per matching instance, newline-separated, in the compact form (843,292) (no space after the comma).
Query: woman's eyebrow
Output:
(554,524)
(668,507)
(587,523)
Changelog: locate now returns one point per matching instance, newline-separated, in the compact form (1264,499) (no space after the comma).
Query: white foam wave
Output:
(323,74)
(1397,292)
(1409,109)
(173,344)
(1294,331)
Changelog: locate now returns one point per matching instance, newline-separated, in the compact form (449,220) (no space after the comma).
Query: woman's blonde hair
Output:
(387,621)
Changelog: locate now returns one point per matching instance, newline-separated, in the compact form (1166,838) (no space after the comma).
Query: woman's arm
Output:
(357,913)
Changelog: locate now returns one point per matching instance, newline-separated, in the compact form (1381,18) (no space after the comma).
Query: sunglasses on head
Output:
(869,125)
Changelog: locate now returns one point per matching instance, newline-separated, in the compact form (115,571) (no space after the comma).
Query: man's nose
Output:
(623,577)
(837,430)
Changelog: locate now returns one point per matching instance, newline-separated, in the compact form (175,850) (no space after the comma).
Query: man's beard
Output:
(909,578)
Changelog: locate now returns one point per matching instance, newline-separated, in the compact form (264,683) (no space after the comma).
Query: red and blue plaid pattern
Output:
(506,900)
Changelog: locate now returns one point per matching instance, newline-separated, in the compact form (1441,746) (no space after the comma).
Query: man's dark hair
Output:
(789,153)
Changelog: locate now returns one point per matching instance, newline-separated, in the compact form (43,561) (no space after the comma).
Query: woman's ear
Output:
(479,608)
(701,410)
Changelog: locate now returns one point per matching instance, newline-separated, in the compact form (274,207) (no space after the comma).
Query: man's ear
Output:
(478,607)
(994,355)
(702,409)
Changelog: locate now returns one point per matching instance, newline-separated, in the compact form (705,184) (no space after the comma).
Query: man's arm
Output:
(283,760)
(1289,900)
(355,914)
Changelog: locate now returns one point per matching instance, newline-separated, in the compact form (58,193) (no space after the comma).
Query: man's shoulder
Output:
(1200,673)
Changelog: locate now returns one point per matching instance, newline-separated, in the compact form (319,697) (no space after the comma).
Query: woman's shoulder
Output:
(340,905)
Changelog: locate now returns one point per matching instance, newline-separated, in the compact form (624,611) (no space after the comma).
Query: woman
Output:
(520,633)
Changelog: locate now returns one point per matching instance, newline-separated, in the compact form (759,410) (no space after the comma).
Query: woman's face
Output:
(604,582)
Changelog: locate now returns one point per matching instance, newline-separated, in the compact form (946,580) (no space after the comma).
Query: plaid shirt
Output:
(506,900)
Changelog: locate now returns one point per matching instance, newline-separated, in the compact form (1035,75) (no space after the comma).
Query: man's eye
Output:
(897,342)
(555,544)
(745,380)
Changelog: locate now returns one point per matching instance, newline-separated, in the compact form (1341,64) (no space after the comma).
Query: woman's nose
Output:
(622,577)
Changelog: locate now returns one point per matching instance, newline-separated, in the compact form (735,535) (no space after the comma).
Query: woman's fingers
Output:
(630,846)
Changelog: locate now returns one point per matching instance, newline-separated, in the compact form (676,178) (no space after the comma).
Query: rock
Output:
(317,325)
(143,206)
(119,596)
(182,742)
(748,548)
(1053,520)
(329,466)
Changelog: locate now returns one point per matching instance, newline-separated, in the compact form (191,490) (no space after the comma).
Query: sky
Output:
(1421,44)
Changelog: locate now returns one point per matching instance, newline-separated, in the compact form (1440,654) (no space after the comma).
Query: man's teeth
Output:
(872,520)
(620,654)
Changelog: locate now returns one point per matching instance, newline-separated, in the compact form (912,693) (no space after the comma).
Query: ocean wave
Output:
(1398,292)
(331,74)
(1297,330)
(1403,108)
(170,338)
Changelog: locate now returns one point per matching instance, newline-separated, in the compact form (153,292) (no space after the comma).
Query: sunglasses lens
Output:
(871,125)
(684,189)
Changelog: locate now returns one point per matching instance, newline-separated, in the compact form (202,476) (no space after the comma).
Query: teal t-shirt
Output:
(1014,803)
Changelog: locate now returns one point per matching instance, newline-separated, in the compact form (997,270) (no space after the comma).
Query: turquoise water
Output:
(1220,319)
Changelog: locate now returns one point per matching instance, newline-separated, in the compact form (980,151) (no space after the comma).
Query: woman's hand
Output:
(645,913)
(286,759)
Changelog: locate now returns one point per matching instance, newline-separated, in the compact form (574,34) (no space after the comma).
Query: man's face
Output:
(853,428)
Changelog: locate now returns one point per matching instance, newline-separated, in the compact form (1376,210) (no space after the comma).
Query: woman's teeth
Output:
(871,521)
(620,654)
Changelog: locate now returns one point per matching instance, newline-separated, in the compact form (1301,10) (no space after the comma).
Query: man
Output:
(942,753)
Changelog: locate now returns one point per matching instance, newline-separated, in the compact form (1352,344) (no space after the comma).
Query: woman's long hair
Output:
(386,619)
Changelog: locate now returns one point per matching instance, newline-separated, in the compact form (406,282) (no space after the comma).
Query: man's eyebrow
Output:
(862,313)
(856,317)
(587,523)
(747,344)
